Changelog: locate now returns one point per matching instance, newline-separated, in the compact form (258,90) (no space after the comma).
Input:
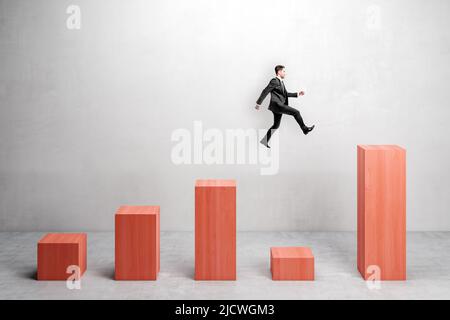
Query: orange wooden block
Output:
(382,212)
(215,230)
(137,243)
(57,251)
(291,263)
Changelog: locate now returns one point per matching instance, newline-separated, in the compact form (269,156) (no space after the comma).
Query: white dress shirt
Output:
(282,83)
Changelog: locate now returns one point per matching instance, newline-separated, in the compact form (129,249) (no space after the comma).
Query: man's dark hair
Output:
(278,68)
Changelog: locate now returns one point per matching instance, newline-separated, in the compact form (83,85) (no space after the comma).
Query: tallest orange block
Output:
(382,212)
(215,230)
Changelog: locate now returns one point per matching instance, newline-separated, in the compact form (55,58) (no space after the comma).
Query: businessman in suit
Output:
(279,104)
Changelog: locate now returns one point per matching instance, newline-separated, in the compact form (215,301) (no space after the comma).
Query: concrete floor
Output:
(335,257)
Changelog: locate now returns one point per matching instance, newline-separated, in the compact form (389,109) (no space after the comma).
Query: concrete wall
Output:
(87,115)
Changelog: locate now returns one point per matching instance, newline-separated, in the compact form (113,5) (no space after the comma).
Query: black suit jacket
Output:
(278,98)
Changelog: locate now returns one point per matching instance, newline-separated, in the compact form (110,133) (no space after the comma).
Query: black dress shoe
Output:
(265,143)
(306,129)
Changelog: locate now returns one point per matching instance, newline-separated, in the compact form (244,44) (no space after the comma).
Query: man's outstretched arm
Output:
(295,94)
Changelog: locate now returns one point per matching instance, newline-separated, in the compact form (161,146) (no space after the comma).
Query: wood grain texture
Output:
(215,230)
(381,206)
(57,251)
(292,263)
(137,243)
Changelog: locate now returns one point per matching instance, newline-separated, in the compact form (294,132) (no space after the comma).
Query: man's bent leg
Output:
(295,113)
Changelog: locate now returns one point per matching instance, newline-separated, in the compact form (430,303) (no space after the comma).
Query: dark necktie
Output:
(282,86)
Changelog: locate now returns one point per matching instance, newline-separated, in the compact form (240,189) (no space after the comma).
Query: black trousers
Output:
(277,114)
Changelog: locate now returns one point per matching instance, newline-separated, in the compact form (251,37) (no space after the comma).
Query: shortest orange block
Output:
(291,263)
(56,252)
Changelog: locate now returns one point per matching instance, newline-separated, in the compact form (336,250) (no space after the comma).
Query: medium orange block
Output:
(137,245)
(57,251)
(291,263)
(382,212)
(215,230)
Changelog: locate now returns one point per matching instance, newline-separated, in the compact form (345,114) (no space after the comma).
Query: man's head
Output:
(279,71)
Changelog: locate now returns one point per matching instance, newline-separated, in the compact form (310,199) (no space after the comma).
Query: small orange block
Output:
(291,263)
(137,243)
(57,251)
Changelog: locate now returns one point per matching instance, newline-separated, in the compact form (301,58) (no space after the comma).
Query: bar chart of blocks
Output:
(381,232)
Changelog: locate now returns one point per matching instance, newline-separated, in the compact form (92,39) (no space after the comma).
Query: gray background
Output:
(87,115)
